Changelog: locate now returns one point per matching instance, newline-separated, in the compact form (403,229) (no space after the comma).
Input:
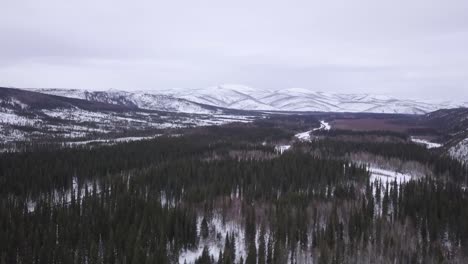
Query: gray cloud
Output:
(403,48)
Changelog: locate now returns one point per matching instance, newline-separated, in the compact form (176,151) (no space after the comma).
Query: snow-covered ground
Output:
(305,136)
(215,244)
(388,176)
(460,151)
(8,134)
(324,126)
(282,148)
(140,99)
(9,117)
(78,193)
(110,141)
(74,122)
(76,114)
(426,143)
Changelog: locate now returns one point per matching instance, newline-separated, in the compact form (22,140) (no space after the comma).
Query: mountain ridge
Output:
(246,98)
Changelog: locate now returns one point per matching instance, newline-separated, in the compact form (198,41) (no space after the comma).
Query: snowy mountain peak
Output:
(235,87)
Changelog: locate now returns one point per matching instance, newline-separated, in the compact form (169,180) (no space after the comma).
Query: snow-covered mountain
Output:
(246,98)
(296,99)
(141,100)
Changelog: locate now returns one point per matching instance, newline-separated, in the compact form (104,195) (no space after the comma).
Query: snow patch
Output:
(305,136)
(388,176)
(426,143)
(282,148)
(214,243)
(110,141)
(65,196)
(324,125)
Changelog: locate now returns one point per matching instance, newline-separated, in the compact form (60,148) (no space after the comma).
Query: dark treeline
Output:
(381,133)
(259,131)
(112,227)
(295,174)
(31,172)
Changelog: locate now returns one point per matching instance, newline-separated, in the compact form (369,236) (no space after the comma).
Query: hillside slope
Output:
(27,115)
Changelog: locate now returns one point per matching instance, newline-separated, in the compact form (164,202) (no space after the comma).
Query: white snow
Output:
(7,135)
(76,114)
(303,99)
(460,151)
(73,122)
(8,117)
(65,196)
(113,140)
(388,176)
(214,244)
(305,136)
(247,98)
(282,148)
(141,99)
(324,125)
(427,143)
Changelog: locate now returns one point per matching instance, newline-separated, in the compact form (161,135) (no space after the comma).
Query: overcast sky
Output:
(401,47)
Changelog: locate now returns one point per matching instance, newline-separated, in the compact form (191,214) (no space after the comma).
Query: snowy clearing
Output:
(427,143)
(387,176)
(282,148)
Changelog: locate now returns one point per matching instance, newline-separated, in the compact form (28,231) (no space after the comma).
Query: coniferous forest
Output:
(228,195)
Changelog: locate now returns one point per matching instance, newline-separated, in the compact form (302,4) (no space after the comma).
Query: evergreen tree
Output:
(204,228)
(251,255)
